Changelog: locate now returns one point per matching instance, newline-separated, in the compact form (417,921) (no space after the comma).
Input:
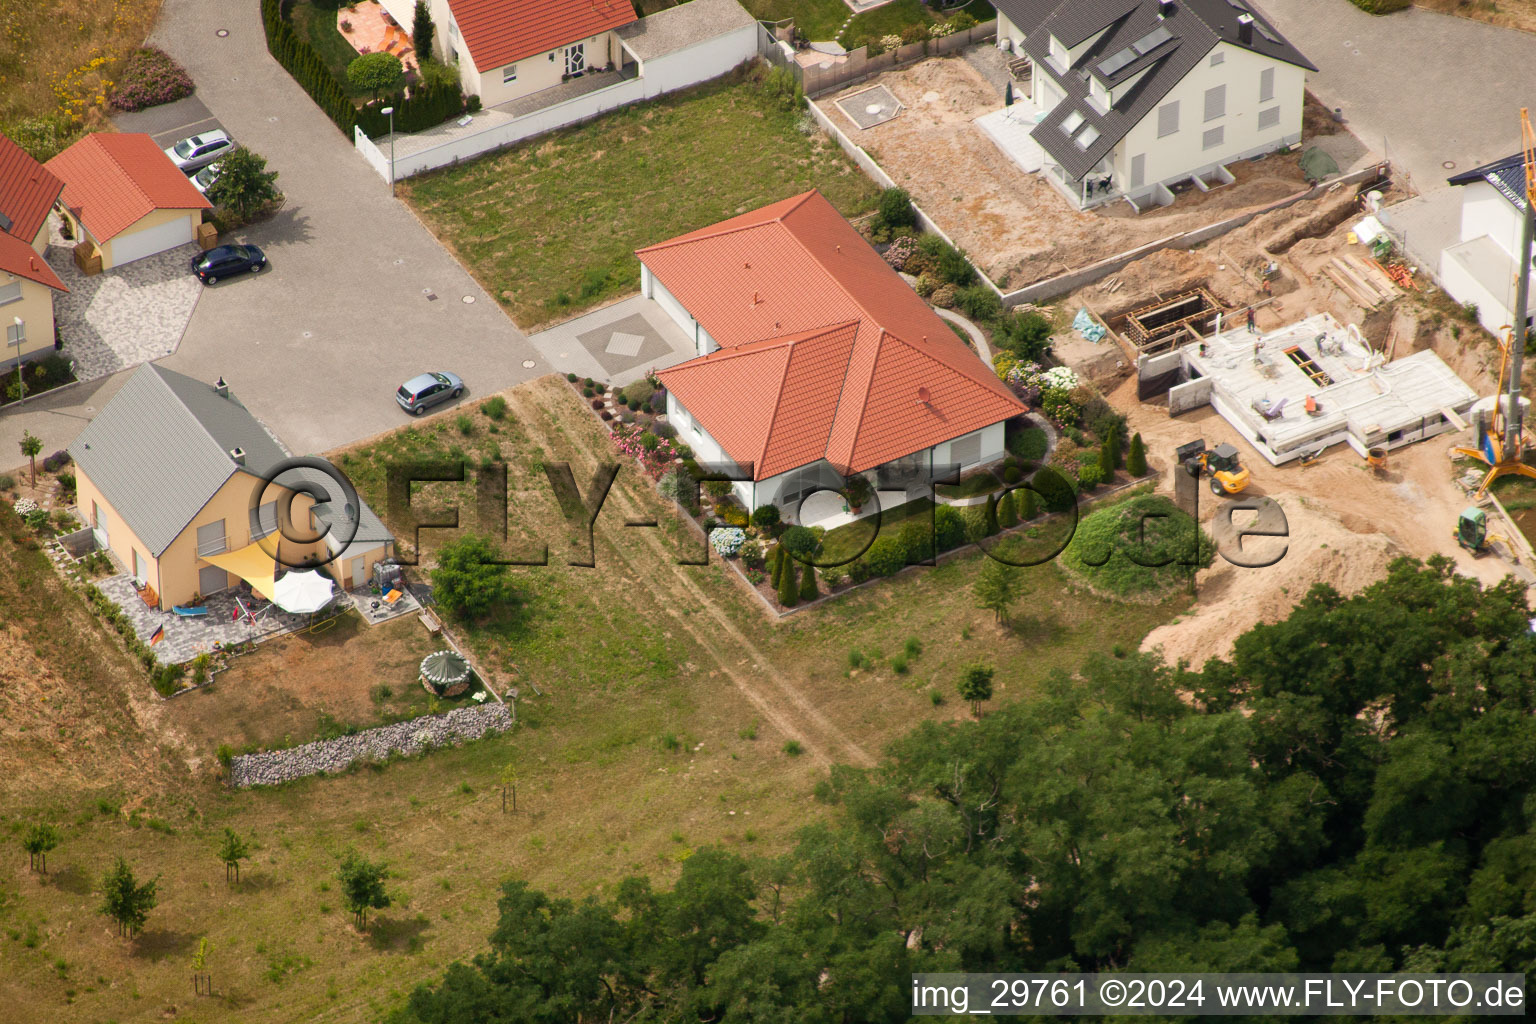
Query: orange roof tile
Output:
(27,191)
(112,180)
(498,32)
(19,258)
(774,287)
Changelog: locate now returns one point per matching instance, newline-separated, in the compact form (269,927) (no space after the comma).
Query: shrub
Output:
(1089,476)
(570,378)
(1026,336)
(800,542)
(55,462)
(727,541)
(1007,511)
(789,591)
(7,482)
(975,520)
(464,423)
(766,517)
(913,34)
(1136,458)
(734,516)
(1382,6)
(149,78)
(943,295)
(917,541)
(717,489)
(375,73)
(978,302)
(1055,492)
(751,552)
(926,285)
(949,263)
(781,87)
(900,251)
(963,20)
(948,528)
(895,209)
(885,556)
(1029,444)
(1012,474)
(808,591)
(496,407)
(1059,405)
(1152,529)
(834,575)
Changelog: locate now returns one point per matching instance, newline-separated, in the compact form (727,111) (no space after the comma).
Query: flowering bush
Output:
(24,505)
(728,541)
(940,28)
(890,42)
(1057,378)
(656,458)
(900,251)
(150,78)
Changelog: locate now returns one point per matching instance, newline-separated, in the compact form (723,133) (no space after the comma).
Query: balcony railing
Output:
(212,547)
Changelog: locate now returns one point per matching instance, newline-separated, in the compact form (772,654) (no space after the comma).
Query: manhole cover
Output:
(468,299)
(222,33)
(1449,165)
(272,119)
(398,262)
(309,334)
(529,364)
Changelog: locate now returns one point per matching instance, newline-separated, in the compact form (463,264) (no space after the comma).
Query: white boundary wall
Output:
(450,143)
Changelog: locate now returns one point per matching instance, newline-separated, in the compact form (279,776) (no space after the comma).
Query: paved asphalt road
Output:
(316,345)
(1424,88)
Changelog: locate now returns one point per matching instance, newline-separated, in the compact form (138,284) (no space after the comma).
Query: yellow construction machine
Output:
(1228,475)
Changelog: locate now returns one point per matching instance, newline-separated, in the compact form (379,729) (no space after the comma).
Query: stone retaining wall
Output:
(410,737)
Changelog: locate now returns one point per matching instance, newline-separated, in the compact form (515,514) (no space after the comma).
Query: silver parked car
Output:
(198,151)
(203,180)
(419,394)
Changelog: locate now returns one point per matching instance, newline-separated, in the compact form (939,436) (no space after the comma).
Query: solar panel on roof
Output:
(1116,61)
(1152,40)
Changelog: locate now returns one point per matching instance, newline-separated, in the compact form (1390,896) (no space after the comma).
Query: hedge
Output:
(301,61)
(1382,6)
(427,107)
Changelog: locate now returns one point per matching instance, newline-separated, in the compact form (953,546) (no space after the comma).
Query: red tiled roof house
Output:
(123,195)
(27,283)
(816,360)
(508,49)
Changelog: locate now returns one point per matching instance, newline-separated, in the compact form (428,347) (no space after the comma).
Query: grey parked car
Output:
(198,151)
(419,394)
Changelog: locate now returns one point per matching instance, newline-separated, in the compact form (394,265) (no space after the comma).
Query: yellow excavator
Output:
(1228,475)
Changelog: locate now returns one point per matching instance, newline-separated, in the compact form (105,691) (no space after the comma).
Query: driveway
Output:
(358,296)
(1424,88)
(617,343)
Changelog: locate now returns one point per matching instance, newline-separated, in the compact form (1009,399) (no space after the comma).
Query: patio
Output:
(829,510)
(186,638)
(370,29)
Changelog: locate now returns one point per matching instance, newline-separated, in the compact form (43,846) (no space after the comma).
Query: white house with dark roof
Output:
(1482,268)
(1137,95)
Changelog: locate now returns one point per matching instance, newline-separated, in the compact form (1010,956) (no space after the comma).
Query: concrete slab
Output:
(602,345)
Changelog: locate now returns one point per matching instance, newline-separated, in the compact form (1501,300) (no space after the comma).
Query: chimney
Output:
(1245,29)
(1165,8)
(221,388)
(238,454)
(924,396)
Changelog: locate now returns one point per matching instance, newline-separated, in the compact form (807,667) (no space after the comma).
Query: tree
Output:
(375,73)
(233,850)
(422,31)
(362,887)
(997,588)
(1027,504)
(38,840)
(1136,458)
(244,186)
(990,515)
(896,208)
(124,900)
(1107,459)
(776,562)
(800,542)
(468,579)
(808,591)
(30,446)
(976,685)
(789,592)
(1007,512)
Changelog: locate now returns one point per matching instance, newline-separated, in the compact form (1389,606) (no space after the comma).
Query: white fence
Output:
(493,129)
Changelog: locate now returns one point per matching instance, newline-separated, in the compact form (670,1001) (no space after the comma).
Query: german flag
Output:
(157,635)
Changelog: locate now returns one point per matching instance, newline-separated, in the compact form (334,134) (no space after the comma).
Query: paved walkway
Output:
(120,318)
(186,638)
(617,343)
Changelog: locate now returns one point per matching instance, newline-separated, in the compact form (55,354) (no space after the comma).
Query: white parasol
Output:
(302,592)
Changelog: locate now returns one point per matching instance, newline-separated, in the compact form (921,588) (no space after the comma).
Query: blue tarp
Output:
(1087,326)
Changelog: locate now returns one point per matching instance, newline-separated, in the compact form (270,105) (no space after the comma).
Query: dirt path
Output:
(774,696)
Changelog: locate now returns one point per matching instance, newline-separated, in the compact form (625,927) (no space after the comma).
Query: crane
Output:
(1501,448)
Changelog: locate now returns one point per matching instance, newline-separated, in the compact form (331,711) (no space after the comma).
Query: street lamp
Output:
(391,112)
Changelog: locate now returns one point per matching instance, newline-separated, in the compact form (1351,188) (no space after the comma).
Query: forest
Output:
(1350,791)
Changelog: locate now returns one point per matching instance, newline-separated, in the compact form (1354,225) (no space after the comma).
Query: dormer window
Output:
(1058,53)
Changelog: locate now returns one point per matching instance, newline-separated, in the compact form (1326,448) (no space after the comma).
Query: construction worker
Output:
(1251,328)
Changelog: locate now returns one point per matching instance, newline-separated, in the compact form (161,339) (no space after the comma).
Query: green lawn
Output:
(815,19)
(550,227)
(824,19)
(845,542)
(318,25)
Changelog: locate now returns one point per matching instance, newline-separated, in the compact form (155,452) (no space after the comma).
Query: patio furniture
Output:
(392,597)
(201,611)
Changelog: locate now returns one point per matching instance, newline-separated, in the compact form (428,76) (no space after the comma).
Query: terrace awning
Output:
(252,564)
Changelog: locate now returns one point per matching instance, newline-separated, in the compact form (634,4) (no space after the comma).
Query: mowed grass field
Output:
(57,58)
(668,697)
(550,227)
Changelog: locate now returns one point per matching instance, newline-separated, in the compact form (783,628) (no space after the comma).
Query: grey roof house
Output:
(1482,268)
(1132,96)
(169,472)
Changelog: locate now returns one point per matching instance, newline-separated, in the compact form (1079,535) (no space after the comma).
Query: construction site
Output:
(1334,379)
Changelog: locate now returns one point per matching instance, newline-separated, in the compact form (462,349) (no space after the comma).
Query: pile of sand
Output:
(1232,599)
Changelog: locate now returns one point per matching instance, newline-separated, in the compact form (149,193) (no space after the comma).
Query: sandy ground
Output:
(1017,226)
(1517,14)
(1346,523)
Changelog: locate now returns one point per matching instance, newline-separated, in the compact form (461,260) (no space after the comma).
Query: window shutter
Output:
(1215,102)
(1213,137)
(1266,85)
(1167,119)
(1269,117)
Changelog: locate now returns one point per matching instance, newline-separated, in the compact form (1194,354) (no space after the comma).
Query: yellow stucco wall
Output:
(36,311)
(174,575)
(150,220)
(538,72)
